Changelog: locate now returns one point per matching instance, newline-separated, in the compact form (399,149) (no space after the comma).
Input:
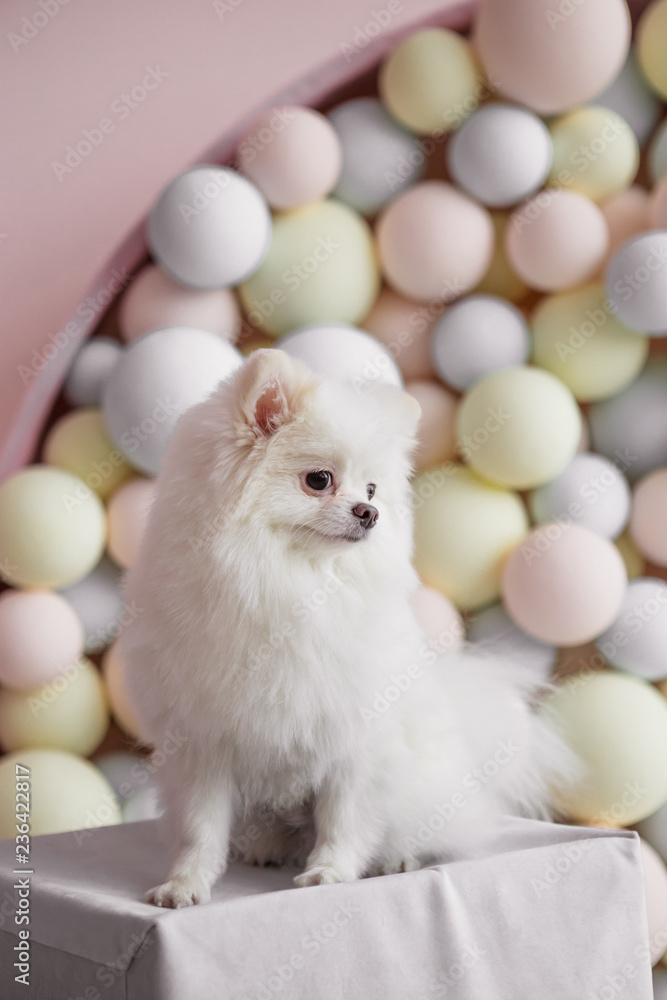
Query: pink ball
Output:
(655,875)
(564,584)
(648,521)
(434,242)
(626,215)
(154,301)
(404,326)
(292,154)
(436,433)
(657,210)
(438,618)
(40,635)
(556,239)
(128,512)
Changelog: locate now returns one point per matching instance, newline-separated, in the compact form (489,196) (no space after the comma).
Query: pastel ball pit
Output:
(128,515)
(651,45)
(321,267)
(52,528)
(476,336)
(464,531)
(564,584)
(434,242)
(518,427)
(40,634)
(380,158)
(158,378)
(630,97)
(344,353)
(648,524)
(626,215)
(428,79)
(591,491)
(636,280)
(547,59)
(500,278)
(68,713)
(154,301)
(617,724)
(89,371)
(595,152)
(436,432)
(657,153)
(66,793)
(636,641)
(113,669)
(492,630)
(210,228)
(556,240)
(292,154)
(628,428)
(79,443)
(482,154)
(97,602)
(126,772)
(404,327)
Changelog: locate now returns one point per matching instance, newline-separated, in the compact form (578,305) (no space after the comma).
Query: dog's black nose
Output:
(367,514)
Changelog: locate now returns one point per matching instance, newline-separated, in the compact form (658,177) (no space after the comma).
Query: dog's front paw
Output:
(395,867)
(322,875)
(178,892)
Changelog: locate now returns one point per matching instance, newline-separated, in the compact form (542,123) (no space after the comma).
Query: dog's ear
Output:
(270,390)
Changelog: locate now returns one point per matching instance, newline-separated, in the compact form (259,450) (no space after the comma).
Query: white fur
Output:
(267,641)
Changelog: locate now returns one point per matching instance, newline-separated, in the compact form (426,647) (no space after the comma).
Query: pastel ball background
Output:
(390,214)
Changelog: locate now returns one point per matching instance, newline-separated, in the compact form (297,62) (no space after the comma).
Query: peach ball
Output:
(549,58)
(434,242)
(648,521)
(556,240)
(154,301)
(564,584)
(128,514)
(626,215)
(438,618)
(404,327)
(292,154)
(40,635)
(113,669)
(436,433)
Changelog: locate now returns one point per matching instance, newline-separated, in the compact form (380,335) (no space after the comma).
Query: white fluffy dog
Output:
(277,639)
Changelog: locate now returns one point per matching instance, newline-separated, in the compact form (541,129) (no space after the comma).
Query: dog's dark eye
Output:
(319,480)
(370,490)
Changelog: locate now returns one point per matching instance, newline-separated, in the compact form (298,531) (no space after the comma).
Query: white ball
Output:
(476,336)
(637,640)
(98,604)
(158,378)
(344,353)
(590,491)
(125,772)
(500,155)
(380,158)
(144,804)
(494,631)
(657,153)
(210,228)
(636,282)
(90,369)
(629,96)
(630,428)
(653,829)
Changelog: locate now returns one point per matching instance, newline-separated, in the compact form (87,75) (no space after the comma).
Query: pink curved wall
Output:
(152,86)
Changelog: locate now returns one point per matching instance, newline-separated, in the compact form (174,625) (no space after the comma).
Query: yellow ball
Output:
(595,152)
(464,531)
(518,427)
(68,713)
(321,267)
(79,443)
(52,528)
(632,557)
(113,668)
(431,81)
(66,793)
(617,724)
(651,46)
(500,279)
(578,337)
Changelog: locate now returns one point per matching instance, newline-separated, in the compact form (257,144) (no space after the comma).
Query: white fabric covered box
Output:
(549,913)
